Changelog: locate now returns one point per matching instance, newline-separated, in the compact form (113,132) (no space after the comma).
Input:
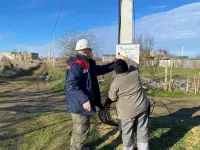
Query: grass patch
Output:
(104,87)
(58,73)
(45,131)
(58,76)
(178,73)
(58,85)
(172,95)
(23,82)
(175,136)
(51,136)
(5,75)
(2,99)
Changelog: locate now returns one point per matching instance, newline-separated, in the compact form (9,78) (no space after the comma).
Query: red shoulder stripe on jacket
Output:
(83,64)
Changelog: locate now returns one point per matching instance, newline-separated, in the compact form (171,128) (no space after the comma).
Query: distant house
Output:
(108,57)
(19,55)
(10,55)
(160,55)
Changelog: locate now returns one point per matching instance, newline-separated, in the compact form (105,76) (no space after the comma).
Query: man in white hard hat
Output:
(82,91)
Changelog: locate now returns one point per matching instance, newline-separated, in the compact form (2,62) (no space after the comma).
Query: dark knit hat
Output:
(120,66)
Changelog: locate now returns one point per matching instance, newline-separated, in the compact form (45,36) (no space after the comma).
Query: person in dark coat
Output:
(83,92)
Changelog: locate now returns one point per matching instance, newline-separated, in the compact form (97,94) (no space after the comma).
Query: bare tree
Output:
(165,52)
(147,59)
(67,43)
(146,45)
(6,63)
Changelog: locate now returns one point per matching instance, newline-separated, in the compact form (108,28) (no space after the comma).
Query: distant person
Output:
(45,77)
(132,105)
(82,91)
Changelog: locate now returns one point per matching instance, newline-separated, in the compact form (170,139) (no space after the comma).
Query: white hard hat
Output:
(82,44)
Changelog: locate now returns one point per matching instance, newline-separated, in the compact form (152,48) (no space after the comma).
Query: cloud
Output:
(174,28)
(180,23)
(158,6)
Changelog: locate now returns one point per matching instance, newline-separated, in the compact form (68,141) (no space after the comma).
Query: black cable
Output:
(119,20)
(134,21)
(106,117)
(57,16)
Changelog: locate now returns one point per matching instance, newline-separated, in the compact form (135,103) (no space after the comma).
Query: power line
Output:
(119,19)
(178,46)
(134,20)
(52,38)
(58,16)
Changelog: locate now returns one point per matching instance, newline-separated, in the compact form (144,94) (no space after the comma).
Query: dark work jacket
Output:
(82,84)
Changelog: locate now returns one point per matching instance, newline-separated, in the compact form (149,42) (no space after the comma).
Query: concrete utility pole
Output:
(125,22)
(182,51)
(49,56)
(125,46)
(52,49)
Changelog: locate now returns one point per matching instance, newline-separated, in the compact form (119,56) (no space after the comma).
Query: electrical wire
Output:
(119,20)
(134,36)
(58,16)
(106,117)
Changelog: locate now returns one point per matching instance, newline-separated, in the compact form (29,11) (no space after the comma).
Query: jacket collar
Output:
(82,57)
(122,74)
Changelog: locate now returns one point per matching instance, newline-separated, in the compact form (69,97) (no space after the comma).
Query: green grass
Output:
(58,73)
(172,95)
(178,73)
(5,75)
(23,82)
(58,85)
(58,78)
(44,131)
(104,87)
(52,134)
(166,133)
(1,99)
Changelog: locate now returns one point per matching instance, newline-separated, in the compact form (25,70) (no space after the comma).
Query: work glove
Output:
(108,101)
(100,106)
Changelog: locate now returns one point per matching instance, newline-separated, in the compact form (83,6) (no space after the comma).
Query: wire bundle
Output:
(105,115)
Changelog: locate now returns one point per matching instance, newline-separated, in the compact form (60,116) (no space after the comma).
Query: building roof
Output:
(9,52)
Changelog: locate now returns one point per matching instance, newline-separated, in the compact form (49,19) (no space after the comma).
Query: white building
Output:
(20,55)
